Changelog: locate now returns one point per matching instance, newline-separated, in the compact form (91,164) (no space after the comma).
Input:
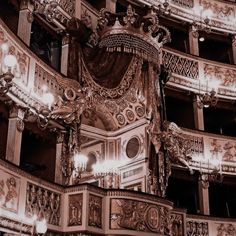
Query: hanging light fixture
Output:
(202,21)
(207,93)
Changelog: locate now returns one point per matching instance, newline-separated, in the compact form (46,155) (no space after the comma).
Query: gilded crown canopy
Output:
(132,33)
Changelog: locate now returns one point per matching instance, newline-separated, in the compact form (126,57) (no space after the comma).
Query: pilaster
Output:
(25,22)
(14,135)
(193,41)
(64,54)
(234,48)
(198,114)
(203,192)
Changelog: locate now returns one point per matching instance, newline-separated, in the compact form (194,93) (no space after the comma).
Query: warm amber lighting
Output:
(10,61)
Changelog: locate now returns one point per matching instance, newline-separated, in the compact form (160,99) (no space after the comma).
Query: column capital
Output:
(204,181)
(17,111)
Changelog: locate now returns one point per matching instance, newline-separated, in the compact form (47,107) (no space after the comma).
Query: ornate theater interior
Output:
(118,117)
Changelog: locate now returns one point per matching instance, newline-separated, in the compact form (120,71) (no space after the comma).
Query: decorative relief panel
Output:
(220,10)
(137,215)
(95,211)
(177,224)
(9,191)
(44,203)
(226,230)
(20,71)
(197,228)
(75,209)
(180,65)
(226,75)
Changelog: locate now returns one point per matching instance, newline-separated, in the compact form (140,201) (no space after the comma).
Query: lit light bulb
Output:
(41,226)
(48,99)
(10,61)
(5,47)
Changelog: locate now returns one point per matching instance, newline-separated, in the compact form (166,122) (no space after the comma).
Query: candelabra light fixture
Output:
(9,62)
(207,95)
(107,168)
(210,168)
(79,165)
(202,21)
(39,225)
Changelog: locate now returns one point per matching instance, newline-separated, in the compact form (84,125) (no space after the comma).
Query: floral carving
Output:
(139,216)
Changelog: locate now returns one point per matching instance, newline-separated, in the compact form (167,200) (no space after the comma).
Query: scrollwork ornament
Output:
(20,125)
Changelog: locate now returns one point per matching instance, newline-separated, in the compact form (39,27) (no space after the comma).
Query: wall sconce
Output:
(7,77)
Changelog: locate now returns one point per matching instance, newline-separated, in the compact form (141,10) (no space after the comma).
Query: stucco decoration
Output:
(9,191)
(197,228)
(75,209)
(95,211)
(140,216)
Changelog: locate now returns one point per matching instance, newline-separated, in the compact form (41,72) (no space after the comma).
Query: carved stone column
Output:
(234,48)
(59,148)
(198,114)
(64,54)
(25,22)
(111,5)
(14,135)
(193,41)
(203,195)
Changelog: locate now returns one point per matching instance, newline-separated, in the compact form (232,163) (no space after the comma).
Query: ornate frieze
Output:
(75,209)
(44,203)
(95,211)
(197,228)
(184,3)
(140,216)
(220,10)
(15,225)
(9,191)
(225,75)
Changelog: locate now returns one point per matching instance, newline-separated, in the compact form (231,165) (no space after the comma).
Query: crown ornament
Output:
(132,33)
